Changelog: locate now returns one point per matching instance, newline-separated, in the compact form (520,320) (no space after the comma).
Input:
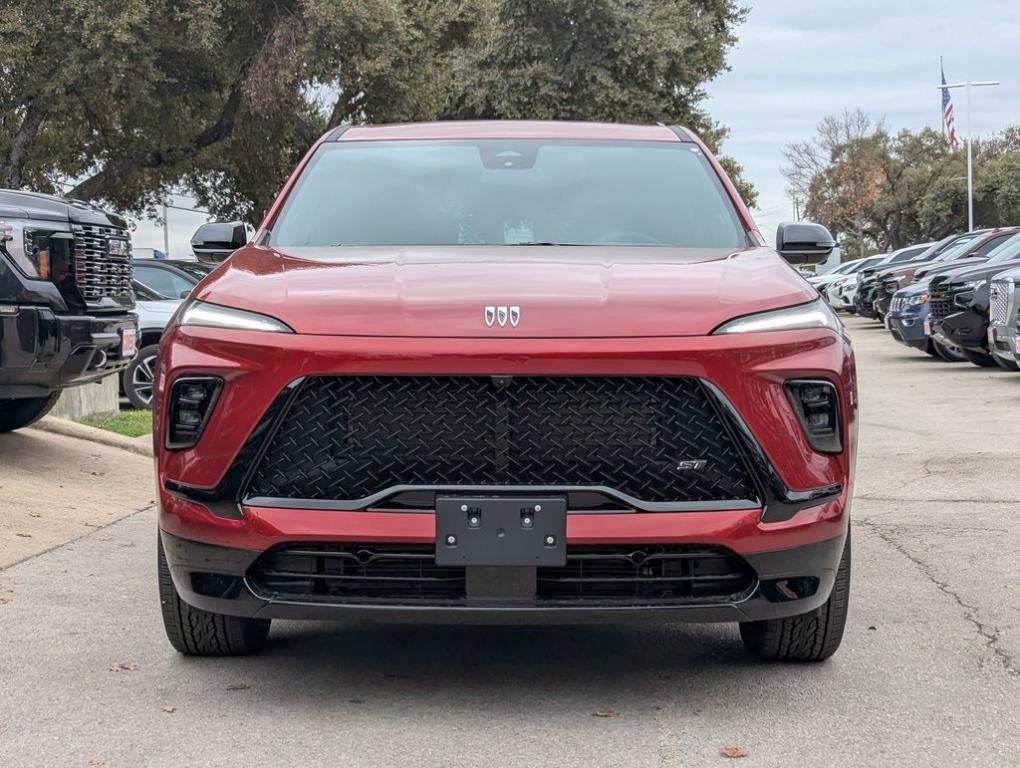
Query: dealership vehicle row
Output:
(958,298)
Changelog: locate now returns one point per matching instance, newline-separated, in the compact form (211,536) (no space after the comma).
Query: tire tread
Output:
(195,632)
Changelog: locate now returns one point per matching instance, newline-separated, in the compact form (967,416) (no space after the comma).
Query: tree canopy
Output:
(879,191)
(122,101)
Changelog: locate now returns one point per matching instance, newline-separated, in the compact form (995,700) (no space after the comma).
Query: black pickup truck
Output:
(65,301)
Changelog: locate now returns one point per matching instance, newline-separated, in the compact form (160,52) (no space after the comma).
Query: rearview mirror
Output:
(214,242)
(802,242)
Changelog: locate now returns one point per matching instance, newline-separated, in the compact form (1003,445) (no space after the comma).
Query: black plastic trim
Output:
(217,388)
(816,443)
(337,132)
(781,503)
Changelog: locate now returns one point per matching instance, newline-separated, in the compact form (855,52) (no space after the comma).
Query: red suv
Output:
(507,371)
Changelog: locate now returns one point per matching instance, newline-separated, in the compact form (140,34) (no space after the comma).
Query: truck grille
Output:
(897,304)
(940,299)
(353,437)
(1000,292)
(98,273)
(407,573)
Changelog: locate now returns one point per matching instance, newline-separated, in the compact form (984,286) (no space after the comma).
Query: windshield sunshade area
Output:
(513,192)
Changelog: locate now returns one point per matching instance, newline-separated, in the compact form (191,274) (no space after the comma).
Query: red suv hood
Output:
(560,291)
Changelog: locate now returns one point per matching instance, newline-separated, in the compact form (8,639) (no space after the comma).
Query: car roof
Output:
(510,129)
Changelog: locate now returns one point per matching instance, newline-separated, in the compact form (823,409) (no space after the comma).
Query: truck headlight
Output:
(815,314)
(204,314)
(921,298)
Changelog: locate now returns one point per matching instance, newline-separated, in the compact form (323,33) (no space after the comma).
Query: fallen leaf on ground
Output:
(35,514)
(606,712)
(238,687)
(96,763)
(124,666)
(733,752)
(4,600)
(24,535)
(168,708)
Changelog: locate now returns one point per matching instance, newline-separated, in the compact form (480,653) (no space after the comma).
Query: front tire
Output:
(812,636)
(195,632)
(15,414)
(949,354)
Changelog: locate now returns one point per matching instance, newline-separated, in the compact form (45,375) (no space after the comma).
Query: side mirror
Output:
(214,242)
(804,243)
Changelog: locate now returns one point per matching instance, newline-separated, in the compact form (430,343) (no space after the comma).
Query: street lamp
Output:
(968,84)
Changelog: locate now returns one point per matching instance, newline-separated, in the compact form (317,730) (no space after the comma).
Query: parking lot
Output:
(929,673)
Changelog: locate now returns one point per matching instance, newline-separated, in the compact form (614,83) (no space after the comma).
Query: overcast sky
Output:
(799,60)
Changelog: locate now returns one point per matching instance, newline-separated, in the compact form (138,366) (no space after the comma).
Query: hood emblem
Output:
(502,315)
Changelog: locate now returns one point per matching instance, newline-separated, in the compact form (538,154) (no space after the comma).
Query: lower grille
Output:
(408,574)
(97,272)
(352,437)
(667,573)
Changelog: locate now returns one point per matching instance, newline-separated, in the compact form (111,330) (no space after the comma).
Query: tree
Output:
(639,61)
(881,192)
(124,101)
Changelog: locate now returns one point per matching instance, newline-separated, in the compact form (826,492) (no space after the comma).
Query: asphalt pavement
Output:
(929,671)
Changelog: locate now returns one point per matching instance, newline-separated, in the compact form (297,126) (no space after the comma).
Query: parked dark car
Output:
(959,305)
(65,301)
(868,277)
(963,253)
(1004,316)
(906,323)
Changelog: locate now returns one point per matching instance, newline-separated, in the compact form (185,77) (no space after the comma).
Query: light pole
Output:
(968,84)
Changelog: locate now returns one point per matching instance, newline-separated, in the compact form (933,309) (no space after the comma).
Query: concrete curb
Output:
(140,445)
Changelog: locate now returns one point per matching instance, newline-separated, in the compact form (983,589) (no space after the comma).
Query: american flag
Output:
(947,115)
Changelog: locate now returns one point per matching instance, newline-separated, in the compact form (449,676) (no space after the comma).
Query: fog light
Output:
(190,404)
(817,406)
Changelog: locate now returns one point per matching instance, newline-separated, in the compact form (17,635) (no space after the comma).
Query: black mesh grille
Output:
(407,573)
(347,438)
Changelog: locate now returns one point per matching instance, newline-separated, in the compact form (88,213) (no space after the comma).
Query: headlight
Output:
(921,298)
(207,315)
(970,286)
(813,315)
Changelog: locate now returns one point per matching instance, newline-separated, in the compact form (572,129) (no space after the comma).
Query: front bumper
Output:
(786,582)
(966,328)
(908,328)
(1004,343)
(41,351)
(805,496)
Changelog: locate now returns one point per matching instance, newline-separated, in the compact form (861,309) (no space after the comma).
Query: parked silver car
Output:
(159,286)
(1004,316)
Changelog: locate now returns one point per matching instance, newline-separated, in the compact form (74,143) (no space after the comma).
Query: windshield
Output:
(958,248)
(907,254)
(512,192)
(1007,251)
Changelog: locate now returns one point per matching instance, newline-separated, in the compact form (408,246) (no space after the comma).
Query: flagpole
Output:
(968,84)
(942,112)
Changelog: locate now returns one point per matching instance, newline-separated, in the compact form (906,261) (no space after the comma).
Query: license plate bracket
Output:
(501,531)
(128,342)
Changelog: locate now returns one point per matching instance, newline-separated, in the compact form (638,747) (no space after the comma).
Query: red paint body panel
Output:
(593,311)
(563,292)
